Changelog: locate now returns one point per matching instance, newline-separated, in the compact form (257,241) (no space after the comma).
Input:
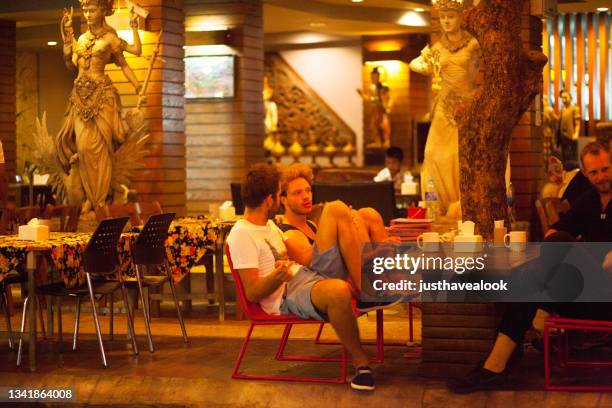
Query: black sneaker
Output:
(365,307)
(363,380)
(478,380)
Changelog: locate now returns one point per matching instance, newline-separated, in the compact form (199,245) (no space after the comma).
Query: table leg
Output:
(31,267)
(220,277)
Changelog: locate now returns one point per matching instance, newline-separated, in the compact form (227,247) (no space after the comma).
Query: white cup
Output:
(429,241)
(516,241)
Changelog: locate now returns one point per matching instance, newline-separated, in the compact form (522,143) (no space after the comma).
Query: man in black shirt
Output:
(589,219)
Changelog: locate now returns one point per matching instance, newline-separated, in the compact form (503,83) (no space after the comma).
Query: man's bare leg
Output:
(333,297)
(374,224)
(337,227)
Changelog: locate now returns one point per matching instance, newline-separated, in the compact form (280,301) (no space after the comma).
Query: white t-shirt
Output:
(248,249)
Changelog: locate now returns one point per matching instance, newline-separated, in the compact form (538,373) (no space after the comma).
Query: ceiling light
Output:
(419,10)
(52,43)
(413,19)
(602,9)
(357,1)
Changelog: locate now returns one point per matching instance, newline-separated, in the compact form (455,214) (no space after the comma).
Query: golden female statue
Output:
(93,129)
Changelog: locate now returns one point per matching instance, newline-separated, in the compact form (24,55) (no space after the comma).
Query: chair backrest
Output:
(68,216)
(143,210)
(13,217)
(252,311)
(150,246)
(380,196)
(100,255)
(237,198)
(549,210)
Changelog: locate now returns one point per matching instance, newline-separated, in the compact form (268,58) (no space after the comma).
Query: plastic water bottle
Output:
(431,200)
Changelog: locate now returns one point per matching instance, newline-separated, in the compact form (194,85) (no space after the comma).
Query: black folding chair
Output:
(150,250)
(99,259)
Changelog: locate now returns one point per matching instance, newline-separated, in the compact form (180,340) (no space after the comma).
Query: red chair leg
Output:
(546,359)
(380,337)
(283,342)
(236,374)
(319,332)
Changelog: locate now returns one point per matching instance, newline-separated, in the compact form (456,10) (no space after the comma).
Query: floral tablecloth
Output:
(187,242)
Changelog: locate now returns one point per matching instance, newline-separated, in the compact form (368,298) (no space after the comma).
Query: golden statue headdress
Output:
(106,4)
(456,5)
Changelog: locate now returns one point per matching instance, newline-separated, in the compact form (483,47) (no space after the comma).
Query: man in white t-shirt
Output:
(281,286)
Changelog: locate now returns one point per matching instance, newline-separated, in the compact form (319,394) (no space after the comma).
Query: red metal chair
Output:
(258,317)
(562,325)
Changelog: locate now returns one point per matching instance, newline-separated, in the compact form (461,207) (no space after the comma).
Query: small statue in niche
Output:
(378,102)
(569,128)
(550,121)
(93,154)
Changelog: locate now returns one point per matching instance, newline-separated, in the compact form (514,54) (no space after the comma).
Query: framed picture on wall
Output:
(209,77)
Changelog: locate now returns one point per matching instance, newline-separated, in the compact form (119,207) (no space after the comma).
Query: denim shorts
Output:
(296,299)
(329,263)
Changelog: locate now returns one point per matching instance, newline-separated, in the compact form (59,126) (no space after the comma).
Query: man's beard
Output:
(272,211)
(603,187)
(298,210)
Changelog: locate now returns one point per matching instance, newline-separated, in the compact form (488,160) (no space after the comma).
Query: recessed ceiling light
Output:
(52,43)
(357,1)
(602,9)
(419,10)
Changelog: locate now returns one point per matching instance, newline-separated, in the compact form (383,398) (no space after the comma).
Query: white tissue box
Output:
(410,188)
(227,213)
(34,232)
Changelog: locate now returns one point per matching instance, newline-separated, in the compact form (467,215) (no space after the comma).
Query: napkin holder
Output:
(227,211)
(34,231)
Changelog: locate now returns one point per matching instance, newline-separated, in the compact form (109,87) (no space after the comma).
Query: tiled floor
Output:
(198,374)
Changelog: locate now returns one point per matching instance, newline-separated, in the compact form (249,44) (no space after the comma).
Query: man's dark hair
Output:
(564,91)
(395,152)
(261,181)
(593,148)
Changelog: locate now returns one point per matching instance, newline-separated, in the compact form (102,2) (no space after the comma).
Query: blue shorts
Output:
(329,263)
(296,299)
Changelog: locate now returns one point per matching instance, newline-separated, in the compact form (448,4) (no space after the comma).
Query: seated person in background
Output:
(322,246)
(393,168)
(589,217)
(282,286)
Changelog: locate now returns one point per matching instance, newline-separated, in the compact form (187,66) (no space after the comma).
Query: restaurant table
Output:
(16,254)
(456,336)
(186,243)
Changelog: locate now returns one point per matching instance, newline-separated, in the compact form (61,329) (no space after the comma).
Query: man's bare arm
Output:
(257,288)
(298,247)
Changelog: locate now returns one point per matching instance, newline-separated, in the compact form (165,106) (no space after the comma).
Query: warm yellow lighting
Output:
(603,8)
(357,1)
(128,36)
(419,10)
(52,43)
(218,49)
(413,19)
(391,67)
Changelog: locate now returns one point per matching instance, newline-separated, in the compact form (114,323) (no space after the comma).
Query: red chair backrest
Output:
(252,311)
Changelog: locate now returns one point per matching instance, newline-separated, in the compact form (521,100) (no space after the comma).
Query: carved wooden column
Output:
(512,77)
(7,93)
